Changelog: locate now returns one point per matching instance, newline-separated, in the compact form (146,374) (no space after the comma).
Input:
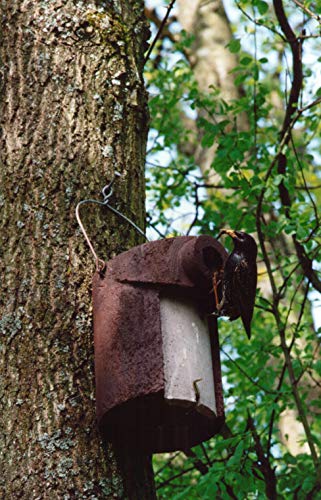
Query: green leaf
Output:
(245,61)
(278,179)
(263,7)
(234,45)
(240,78)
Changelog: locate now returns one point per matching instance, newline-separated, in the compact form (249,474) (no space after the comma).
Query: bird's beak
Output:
(230,232)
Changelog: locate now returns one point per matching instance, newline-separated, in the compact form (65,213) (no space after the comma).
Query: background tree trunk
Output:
(73,110)
(212,63)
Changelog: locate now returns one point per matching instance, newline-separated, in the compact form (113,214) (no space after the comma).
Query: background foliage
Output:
(265,179)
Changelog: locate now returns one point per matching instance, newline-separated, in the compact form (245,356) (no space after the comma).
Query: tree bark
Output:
(73,110)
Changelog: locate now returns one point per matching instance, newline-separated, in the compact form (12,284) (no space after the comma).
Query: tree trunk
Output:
(212,63)
(73,110)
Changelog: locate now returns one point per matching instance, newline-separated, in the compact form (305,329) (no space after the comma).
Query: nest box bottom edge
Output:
(151,424)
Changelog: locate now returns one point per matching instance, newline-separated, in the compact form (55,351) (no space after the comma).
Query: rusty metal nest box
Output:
(157,364)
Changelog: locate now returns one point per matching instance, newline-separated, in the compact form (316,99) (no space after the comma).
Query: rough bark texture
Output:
(73,110)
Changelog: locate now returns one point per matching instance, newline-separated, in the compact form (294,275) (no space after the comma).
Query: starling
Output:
(239,279)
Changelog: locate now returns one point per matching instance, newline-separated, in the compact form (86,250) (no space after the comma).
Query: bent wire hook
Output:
(107,191)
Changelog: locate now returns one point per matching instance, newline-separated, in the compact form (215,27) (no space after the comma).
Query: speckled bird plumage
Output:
(239,279)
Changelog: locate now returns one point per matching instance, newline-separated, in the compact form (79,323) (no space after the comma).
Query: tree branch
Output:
(198,464)
(285,134)
(268,472)
(296,395)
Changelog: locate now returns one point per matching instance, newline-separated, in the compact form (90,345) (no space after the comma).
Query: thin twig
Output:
(308,11)
(268,472)
(258,23)
(169,8)
(198,464)
(176,476)
(208,460)
(167,463)
(296,395)
(316,215)
(264,389)
(197,206)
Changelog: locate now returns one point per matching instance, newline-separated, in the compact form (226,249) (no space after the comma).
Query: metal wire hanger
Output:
(107,192)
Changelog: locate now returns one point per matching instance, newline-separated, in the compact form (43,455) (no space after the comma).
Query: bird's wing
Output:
(244,283)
